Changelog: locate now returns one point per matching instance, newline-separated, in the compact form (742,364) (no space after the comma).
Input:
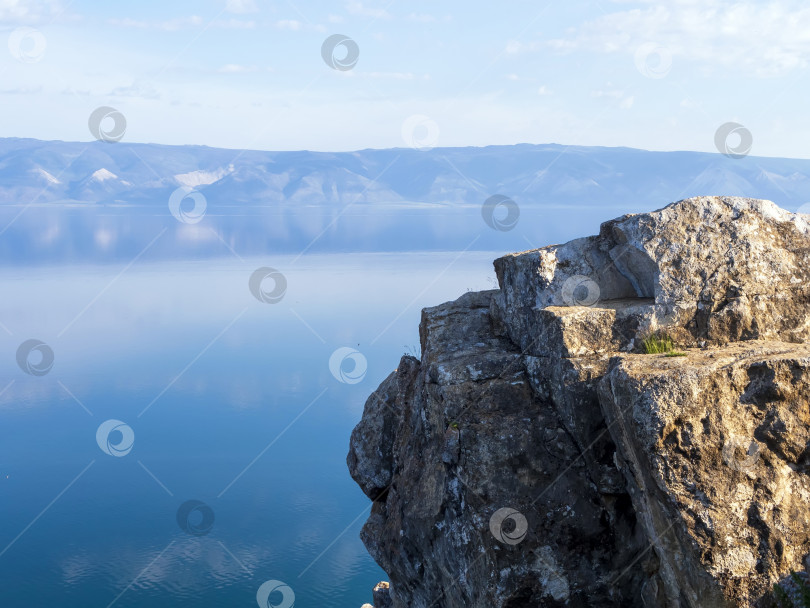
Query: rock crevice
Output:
(535,457)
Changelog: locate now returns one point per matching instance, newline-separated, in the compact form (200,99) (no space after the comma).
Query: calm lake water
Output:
(170,382)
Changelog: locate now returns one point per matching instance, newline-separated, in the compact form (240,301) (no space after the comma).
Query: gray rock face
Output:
(534,458)
(716,268)
(382,595)
(714,447)
(467,439)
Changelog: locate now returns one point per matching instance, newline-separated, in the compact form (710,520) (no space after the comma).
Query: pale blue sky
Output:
(249,73)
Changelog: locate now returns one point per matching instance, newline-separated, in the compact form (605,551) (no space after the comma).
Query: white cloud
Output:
(139,90)
(763,39)
(514,47)
(289,24)
(240,7)
(421,18)
(428,18)
(179,23)
(233,68)
(625,101)
(609,93)
(169,25)
(21,91)
(389,75)
(75,92)
(296,26)
(28,12)
(360,9)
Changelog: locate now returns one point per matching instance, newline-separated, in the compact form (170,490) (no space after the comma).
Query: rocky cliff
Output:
(538,456)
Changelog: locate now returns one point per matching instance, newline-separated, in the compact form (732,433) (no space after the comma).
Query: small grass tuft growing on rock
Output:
(659,343)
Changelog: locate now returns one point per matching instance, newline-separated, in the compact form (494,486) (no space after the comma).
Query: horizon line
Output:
(392,149)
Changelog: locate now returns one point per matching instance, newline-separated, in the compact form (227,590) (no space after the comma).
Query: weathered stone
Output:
(719,268)
(532,459)
(370,457)
(474,439)
(714,446)
(382,596)
(570,385)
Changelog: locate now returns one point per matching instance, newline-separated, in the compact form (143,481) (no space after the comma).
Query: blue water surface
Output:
(225,400)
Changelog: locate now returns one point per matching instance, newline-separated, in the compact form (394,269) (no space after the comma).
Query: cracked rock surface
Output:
(535,457)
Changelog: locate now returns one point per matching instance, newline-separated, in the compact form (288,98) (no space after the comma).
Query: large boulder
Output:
(715,447)
(534,457)
(714,269)
(479,455)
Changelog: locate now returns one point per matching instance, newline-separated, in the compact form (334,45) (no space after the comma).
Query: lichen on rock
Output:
(534,457)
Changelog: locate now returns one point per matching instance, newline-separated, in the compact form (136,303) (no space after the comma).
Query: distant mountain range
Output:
(100,202)
(147,174)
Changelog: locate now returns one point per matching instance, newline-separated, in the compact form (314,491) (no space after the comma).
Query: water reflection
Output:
(62,233)
(245,416)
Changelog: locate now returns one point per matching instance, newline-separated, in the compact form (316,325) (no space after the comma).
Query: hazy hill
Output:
(104,202)
(530,174)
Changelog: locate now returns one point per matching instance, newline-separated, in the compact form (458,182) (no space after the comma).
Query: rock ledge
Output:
(535,457)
